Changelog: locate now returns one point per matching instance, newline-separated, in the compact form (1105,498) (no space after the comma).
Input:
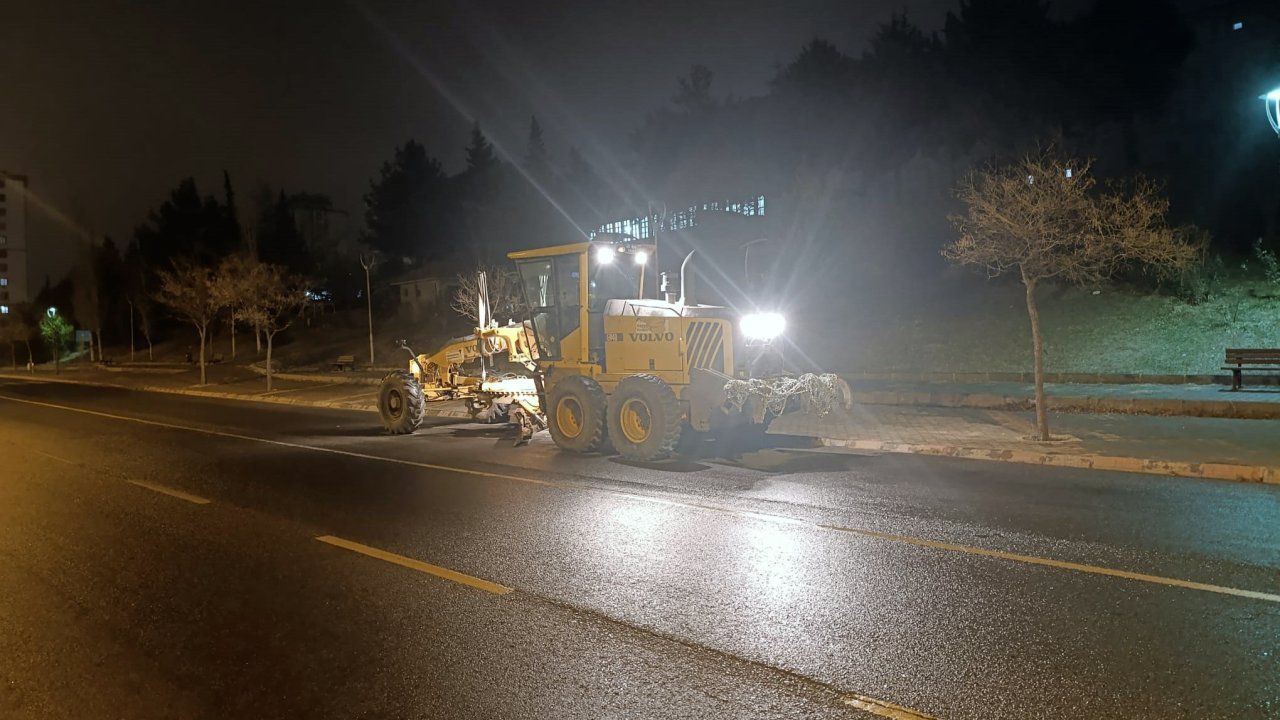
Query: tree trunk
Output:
(233,337)
(13,347)
(202,375)
(1042,415)
(31,365)
(257,337)
(131,335)
(270,337)
(150,355)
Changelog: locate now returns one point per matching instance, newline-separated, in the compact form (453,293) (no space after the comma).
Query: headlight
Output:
(763,326)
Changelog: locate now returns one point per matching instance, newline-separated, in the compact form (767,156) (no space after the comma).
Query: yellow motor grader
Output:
(602,365)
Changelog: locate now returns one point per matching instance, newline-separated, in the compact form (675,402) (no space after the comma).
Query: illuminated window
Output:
(4,282)
(4,309)
(1238,26)
(4,239)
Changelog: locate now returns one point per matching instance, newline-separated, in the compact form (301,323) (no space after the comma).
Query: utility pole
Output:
(368,298)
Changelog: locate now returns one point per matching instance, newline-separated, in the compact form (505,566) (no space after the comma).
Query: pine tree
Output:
(537,161)
(480,155)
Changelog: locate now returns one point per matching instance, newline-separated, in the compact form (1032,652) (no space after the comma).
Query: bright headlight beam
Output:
(604,255)
(642,257)
(763,326)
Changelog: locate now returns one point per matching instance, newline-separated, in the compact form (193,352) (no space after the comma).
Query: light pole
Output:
(368,299)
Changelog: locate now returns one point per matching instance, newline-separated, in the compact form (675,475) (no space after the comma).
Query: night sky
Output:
(106,109)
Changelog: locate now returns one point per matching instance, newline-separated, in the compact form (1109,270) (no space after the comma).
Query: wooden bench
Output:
(344,362)
(1242,360)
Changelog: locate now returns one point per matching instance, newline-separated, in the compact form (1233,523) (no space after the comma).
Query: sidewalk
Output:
(1211,448)
(1192,400)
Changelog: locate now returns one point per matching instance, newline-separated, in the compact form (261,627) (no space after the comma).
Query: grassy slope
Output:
(1112,332)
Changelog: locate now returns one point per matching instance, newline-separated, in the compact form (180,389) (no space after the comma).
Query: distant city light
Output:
(4,309)
(1238,26)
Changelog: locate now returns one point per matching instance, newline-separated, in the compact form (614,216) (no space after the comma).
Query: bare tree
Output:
(189,290)
(506,299)
(238,279)
(278,299)
(1042,218)
(14,330)
(146,311)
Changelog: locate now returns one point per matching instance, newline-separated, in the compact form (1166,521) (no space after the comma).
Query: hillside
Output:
(1101,330)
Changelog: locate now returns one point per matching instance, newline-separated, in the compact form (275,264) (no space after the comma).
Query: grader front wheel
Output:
(401,403)
(575,415)
(645,420)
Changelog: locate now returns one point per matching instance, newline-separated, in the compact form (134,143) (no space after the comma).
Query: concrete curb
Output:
(370,406)
(1250,410)
(1147,466)
(318,379)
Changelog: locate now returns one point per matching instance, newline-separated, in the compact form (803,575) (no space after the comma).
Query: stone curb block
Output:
(1146,466)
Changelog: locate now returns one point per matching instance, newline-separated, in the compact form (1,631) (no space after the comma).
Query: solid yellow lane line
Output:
(768,517)
(171,492)
(418,565)
(1060,564)
(884,709)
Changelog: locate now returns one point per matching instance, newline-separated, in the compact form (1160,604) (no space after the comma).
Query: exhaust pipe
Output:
(684,275)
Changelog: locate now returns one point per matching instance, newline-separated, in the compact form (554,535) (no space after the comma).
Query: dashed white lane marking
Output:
(904,539)
(196,499)
(50,456)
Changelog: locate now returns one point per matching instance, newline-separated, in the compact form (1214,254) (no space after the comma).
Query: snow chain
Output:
(817,394)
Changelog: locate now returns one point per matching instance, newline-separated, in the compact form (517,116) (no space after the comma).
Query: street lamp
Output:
(368,297)
(1271,102)
(51,312)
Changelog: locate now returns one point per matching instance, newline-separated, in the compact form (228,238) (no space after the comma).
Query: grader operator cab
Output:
(605,366)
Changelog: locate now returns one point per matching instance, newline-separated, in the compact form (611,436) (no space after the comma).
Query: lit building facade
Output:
(14,285)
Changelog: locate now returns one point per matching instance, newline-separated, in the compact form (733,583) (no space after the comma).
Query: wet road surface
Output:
(171,557)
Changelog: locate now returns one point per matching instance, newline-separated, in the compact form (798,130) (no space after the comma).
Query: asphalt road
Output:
(171,557)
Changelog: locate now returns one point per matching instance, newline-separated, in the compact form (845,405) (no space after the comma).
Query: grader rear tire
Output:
(401,403)
(576,415)
(645,420)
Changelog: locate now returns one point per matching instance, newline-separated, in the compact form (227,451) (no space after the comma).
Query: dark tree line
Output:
(415,212)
